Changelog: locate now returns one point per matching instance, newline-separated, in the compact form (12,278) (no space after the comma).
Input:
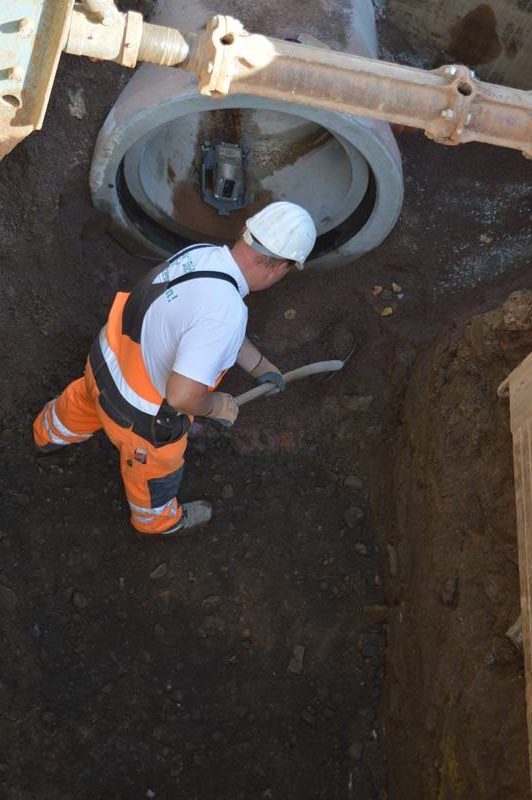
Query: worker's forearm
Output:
(194,407)
(248,356)
(252,360)
(218,406)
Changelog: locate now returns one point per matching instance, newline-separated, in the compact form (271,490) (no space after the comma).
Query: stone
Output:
(449,592)
(159,732)
(79,600)
(211,602)
(296,662)
(377,613)
(158,631)
(361,549)
(8,600)
(515,634)
(343,341)
(211,625)
(517,311)
(330,410)
(353,516)
(354,482)
(347,430)
(159,572)
(357,403)
(228,492)
(503,651)
(355,751)
(393,561)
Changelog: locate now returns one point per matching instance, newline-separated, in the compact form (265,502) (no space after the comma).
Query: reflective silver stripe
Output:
(63,429)
(121,384)
(142,520)
(138,511)
(51,435)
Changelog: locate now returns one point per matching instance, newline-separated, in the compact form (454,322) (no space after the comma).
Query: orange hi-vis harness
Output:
(117,394)
(127,393)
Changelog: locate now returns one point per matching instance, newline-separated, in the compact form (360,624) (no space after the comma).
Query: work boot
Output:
(48,448)
(195,515)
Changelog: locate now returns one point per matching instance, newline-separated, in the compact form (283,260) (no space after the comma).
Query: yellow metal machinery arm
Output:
(449,103)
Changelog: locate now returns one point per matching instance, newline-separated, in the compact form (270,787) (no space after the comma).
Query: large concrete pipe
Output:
(156,142)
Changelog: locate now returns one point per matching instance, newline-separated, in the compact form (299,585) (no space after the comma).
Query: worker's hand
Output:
(266,372)
(224,409)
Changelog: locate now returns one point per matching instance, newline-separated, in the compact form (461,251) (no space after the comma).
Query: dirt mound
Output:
(455,684)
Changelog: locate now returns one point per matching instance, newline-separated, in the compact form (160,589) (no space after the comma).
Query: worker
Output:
(157,362)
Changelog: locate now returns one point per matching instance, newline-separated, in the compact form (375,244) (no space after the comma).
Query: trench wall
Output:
(455,690)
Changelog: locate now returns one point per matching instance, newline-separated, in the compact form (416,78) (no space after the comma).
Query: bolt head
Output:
(26,27)
(450,71)
(447,113)
(16,74)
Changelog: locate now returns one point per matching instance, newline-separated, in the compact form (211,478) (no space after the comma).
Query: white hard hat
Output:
(282,230)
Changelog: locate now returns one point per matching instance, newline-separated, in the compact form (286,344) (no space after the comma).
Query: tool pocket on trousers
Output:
(167,429)
(164,489)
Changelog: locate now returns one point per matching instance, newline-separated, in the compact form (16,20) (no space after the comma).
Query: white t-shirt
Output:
(197,327)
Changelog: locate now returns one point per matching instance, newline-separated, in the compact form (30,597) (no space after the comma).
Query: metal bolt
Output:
(450,71)
(16,74)
(109,18)
(447,113)
(469,119)
(26,27)
(473,73)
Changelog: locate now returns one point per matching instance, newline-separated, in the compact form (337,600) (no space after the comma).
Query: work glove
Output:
(224,409)
(252,360)
(266,372)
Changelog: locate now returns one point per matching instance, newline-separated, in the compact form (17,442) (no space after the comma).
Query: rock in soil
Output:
(296,662)
(353,516)
(8,600)
(159,572)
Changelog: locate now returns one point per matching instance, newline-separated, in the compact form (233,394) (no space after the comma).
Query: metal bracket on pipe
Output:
(448,103)
(457,114)
(226,51)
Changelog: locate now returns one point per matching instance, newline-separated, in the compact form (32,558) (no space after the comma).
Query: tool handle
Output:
(294,375)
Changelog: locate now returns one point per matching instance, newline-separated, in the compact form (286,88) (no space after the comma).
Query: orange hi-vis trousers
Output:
(151,475)
(117,394)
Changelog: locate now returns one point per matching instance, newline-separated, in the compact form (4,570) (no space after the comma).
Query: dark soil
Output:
(134,669)
(452,675)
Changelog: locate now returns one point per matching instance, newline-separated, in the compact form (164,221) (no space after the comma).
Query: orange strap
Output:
(129,353)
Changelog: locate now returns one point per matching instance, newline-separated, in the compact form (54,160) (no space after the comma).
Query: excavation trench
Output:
(455,682)
(339,630)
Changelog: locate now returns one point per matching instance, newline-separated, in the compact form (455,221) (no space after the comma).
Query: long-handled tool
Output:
(295,375)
